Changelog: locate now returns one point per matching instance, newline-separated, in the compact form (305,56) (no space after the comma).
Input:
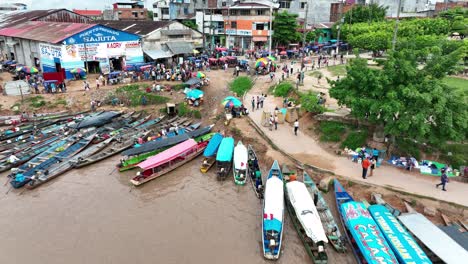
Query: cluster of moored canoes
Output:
(375,232)
(42,149)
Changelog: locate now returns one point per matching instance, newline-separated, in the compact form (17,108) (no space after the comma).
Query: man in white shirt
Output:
(296,127)
(13,159)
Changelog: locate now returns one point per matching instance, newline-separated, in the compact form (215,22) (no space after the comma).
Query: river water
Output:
(93,215)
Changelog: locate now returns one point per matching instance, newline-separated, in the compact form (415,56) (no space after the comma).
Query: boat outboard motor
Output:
(272,245)
(315,198)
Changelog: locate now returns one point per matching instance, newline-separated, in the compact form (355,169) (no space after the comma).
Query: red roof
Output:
(51,32)
(86,12)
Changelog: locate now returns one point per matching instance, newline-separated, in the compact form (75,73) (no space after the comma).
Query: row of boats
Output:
(48,149)
(375,234)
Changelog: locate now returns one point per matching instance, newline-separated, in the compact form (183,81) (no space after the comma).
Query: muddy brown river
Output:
(93,215)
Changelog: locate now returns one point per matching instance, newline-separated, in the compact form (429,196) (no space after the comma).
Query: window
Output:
(260,12)
(285,4)
(135,14)
(244,12)
(259,26)
(165,11)
(223,4)
(185,10)
(303,5)
(233,12)
(176,36)
(219,25)
(234,24)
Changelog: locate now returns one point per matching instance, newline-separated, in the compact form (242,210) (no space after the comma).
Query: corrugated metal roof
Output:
(51,32)
(158,54)
(435,239)
(177,47)
(87,12)
(141,28)
(176,32)
(14,18)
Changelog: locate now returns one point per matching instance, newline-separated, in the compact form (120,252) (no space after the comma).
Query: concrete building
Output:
(7,6)
(409,8)
(442,6)
(133,10)
(247,24)
(213,21)
(161,39)
(179,9)
(317,11)
(53,42)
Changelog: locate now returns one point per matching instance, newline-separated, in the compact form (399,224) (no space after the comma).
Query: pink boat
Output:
(168,160)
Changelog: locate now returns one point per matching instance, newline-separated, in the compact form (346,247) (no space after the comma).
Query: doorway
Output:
(93,66)
(116,64)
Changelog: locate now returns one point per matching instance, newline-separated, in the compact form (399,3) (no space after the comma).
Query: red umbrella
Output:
(283,53)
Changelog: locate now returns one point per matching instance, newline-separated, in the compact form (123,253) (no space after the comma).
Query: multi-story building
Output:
(442,6)
(179,9)
(211,23)
(407,8)
(247,23)
(133,10)
(316,11)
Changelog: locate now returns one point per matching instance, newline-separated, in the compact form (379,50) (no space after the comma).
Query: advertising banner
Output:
(402,243)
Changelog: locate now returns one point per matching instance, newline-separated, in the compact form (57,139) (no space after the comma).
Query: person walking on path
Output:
(262,98)
(372,167)
(296,127)
(276,122)
(365,166)
(258,101)
(253,103)
(443,180)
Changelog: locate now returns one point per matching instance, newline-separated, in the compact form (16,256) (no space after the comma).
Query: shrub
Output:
(355,139)
(179,86)
(196,114)
(309,102)
(182,109)
(283,89)
(131,95)
(331,131)
(236,132)
(241,85)
(406,147)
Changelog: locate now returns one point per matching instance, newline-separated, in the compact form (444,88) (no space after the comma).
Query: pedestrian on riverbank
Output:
(253,103)
(365,166)
(262,98)
(443,180)
(372,167)
(296,127)
(276,122)
(258,102)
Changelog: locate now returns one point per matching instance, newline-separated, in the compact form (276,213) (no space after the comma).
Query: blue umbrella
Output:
(194,94)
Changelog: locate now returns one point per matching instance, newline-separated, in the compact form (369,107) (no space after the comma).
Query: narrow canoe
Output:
(331,228)
(306,220)
(273,213)
(255,173)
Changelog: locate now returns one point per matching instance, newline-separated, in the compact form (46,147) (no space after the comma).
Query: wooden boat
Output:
(273,213)
(209,155)
(56,170)
(368,244)
(150,123)
(17,176)
(241,168)
(28,154)
(331,228)
(402,243)
(255,173)
(166,142)
(114,149)
(224,158)
(168,160)
(306,220)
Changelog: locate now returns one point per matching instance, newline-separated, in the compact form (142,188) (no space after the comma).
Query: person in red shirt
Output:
(365,165)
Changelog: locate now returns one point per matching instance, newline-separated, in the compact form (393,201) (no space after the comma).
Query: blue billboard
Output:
(100,34)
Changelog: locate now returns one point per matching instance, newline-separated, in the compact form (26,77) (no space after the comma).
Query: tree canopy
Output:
(284,26)
(365,13)
(406,95)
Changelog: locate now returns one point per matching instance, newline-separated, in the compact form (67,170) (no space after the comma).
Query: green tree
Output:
(285,28)
(365,13)
(376,42)
(309,102)
(314,36)
(150,15)
(191,24)
(406,99)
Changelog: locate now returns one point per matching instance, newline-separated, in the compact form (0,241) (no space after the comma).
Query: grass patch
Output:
(182,109)
(355,139)
(331,131)
(236,132)
(179,86)
(337,70)
(283,89)
(196,114)
(35,101)
(459,84)
(241,85)
(131,95)
(315,74)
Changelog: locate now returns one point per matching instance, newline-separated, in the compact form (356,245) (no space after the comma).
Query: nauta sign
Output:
(100,34)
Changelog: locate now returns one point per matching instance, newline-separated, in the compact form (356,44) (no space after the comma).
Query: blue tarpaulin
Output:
(194,94)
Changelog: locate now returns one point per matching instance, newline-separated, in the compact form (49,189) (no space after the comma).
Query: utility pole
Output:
(305,25)
(395,31)
(229,21)
(270,28)
(211,30)
(340,10)
(203,28)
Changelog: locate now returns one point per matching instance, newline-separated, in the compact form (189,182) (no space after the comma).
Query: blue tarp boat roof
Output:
(195,94)
(226,150)
(213,145)
(402,243)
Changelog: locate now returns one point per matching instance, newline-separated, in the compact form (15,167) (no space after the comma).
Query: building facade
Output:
(247,24)
(134,10)
(93,14)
